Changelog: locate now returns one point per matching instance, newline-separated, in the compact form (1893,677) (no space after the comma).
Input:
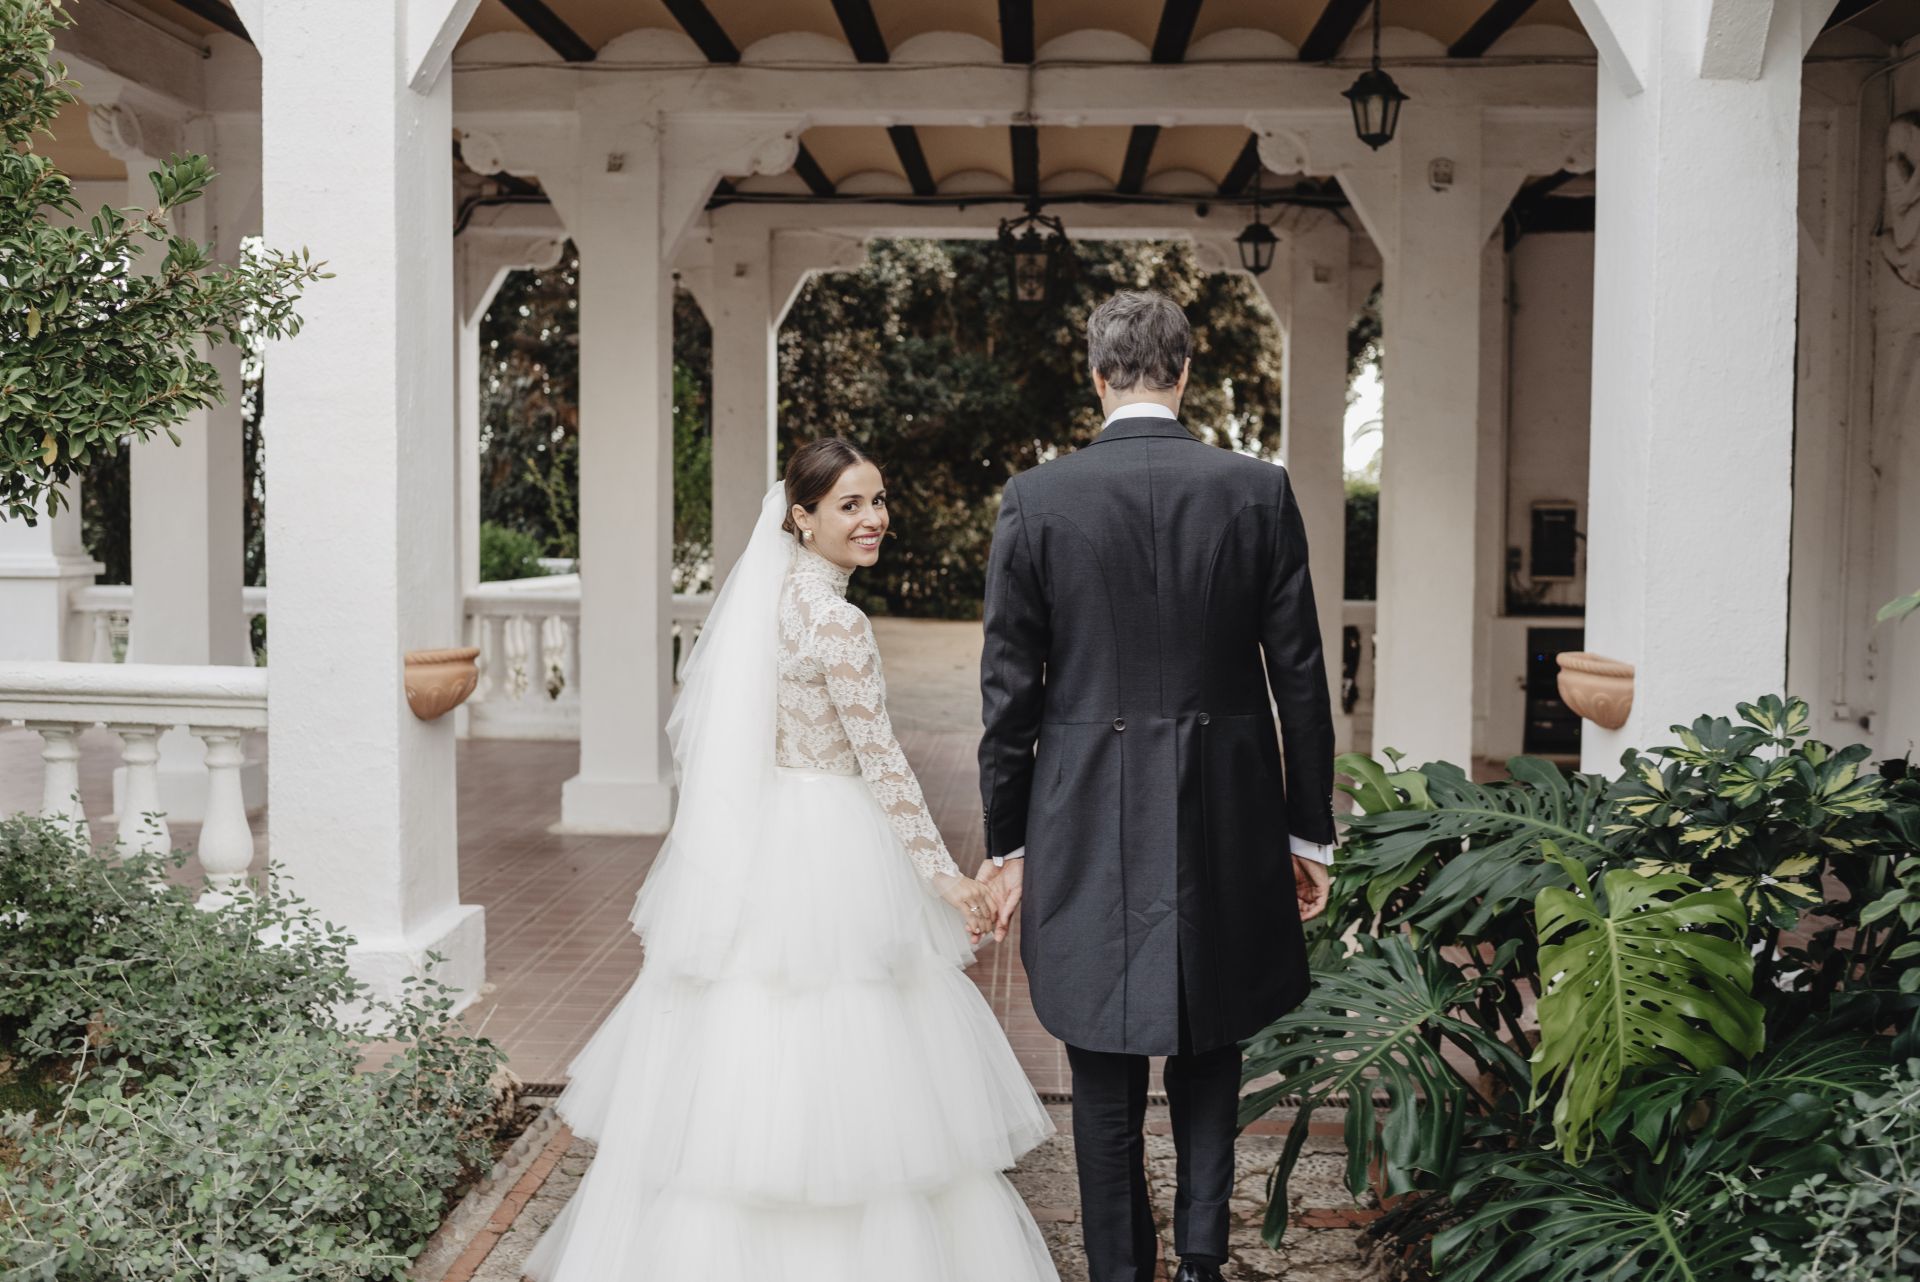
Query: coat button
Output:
(1119,723)
(1205,719)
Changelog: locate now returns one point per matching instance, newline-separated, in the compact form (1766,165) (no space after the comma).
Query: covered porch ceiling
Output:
(1145,162)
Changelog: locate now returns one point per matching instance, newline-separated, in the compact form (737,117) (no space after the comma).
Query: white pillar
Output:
(40,566)
(1430,208)
(611,203)
(357,119)
(186,526)
(1690,481)
(742,311)
(1307,289)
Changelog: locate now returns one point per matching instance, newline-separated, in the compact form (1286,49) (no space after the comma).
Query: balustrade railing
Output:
(108,609)
(528,631)
(139,702)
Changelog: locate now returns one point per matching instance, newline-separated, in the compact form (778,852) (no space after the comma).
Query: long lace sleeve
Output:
(850,659)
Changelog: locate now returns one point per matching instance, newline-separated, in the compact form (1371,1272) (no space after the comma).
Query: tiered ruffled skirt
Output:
(835,1104)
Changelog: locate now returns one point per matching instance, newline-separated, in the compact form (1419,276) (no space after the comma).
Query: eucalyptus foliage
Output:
(1721,942)
(103,321)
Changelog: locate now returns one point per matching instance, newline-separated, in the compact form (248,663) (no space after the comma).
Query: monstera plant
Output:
(1611,1020)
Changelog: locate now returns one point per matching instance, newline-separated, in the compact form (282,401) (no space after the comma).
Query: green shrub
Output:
(1866,1211)
(107,958)
(508,554)
(184,1085)
(274,1159)
(1722,942)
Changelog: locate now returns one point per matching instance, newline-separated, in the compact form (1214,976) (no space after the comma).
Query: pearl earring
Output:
(807,535)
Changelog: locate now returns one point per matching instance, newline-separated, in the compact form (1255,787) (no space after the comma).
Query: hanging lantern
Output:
(1257,244)
(1256,240)
(1374,97)
(1035,244)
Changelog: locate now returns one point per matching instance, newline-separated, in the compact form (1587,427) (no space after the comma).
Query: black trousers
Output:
(1109,1108)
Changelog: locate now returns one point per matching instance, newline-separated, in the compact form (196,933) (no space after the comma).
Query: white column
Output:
(742,311)
(40,566)
(187,537)
(1693,360)
(612,202)
(1430,208)
(1307,289)
(357,119)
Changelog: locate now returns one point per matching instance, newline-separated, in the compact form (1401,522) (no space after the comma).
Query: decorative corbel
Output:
(698,151)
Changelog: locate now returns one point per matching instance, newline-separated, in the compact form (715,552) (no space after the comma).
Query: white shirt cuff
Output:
(1018,853)
(1312,850)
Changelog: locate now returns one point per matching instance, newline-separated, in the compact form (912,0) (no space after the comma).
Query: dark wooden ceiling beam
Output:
(1330,31)
(550,27)
(810,172)
(1847,11)
(1016,30)
(219,14)
(1169,45)
(862,29)
(1026,159)
(1016,46)
(913,161)
(1176,30)
(704,29)
(1245,166)
(1133,171)
(1489,27)
(863,36)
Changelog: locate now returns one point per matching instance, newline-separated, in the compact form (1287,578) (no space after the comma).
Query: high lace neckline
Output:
(809,564)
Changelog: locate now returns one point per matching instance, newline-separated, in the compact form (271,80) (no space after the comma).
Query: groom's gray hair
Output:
(1135,335)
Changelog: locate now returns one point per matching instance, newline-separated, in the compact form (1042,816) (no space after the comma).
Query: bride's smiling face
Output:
(849,522)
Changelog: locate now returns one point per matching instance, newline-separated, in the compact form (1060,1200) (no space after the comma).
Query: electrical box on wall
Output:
(1553,542)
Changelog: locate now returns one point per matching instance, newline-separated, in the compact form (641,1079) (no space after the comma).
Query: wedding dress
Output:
(802,1085)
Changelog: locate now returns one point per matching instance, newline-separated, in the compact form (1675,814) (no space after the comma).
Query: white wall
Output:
(1542,435)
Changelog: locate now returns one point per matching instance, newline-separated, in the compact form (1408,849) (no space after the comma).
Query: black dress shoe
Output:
(1193,1271)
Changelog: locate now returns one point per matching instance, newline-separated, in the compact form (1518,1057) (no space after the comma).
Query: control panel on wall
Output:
(1553,542)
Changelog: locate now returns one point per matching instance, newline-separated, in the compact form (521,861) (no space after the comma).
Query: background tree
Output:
(92,351)
(921,358)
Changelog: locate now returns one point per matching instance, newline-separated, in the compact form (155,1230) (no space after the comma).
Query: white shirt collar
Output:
(1141,409)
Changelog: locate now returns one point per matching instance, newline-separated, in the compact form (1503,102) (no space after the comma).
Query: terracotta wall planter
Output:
(1598,688)
(438,681)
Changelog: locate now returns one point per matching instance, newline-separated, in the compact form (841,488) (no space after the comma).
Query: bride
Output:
(802,1085)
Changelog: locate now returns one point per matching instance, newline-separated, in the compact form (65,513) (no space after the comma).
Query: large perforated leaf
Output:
(1659,972)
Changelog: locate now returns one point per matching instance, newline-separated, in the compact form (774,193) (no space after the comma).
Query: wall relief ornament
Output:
(1902,218)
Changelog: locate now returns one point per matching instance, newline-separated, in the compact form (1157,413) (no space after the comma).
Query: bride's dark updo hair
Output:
(812,471)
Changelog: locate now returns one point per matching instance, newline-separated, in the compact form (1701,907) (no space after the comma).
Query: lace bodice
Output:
(833,703)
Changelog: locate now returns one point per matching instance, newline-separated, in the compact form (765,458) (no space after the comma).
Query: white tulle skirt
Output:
(834,1103)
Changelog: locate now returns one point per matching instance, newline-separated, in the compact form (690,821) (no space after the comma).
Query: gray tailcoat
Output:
(1144,594)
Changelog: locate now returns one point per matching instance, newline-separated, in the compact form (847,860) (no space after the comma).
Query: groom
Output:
(1145,596)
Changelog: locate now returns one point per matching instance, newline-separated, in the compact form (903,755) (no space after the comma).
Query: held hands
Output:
(977,903)
(1310,886)
(1007,879)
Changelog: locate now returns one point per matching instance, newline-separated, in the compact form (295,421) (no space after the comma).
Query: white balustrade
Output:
(138,701)
(528,631)
(108,608)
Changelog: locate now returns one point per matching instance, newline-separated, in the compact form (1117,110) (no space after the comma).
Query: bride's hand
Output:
(977,904)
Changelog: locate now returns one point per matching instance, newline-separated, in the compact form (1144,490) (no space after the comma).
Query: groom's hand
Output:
(1007,878)
(1310,886)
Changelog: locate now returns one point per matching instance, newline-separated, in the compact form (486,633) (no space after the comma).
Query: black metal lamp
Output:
(1035,244)
(1374,97)
(1256,241)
